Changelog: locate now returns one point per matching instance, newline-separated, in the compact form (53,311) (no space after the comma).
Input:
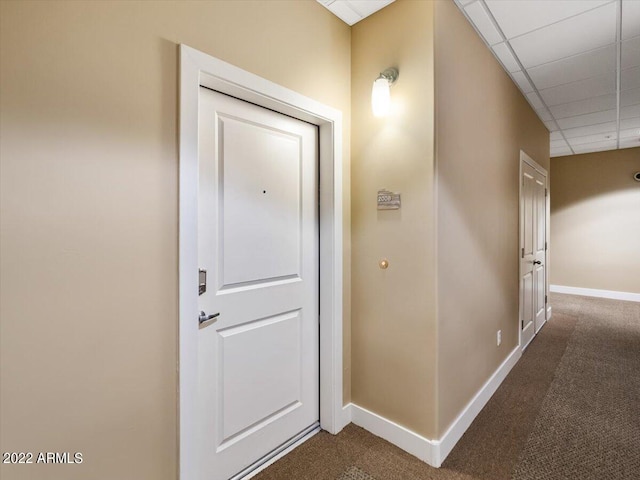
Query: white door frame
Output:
(199,69)
(524,158)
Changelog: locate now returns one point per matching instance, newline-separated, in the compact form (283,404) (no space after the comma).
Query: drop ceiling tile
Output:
(590,129)
(580,90)
(595,147)
(630,97)
(633,122)
(516,18)
(551,126)
(597,137)
(558,144)
(506,57)
(590,105)
(630,78)
(366,7)
(630,112)
(631,53)
(464,2)
(630,143)
(629,133)
(483,23)
(343,12)
(555,136)
(589,119)
(630,18)
(560,152)
(544,115)
(579,67)
(568,37)
(522,82)
(535,101)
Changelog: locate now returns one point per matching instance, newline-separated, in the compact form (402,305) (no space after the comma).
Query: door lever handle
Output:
(205,318)
(537,262)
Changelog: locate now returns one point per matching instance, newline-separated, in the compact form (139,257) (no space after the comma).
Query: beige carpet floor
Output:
(570,409)
(588,427)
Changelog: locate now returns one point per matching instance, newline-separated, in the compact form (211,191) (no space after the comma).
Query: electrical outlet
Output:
(499,337)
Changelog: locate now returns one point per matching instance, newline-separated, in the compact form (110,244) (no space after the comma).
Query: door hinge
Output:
(545,246)
(522,252)
(545,299)
(546,192)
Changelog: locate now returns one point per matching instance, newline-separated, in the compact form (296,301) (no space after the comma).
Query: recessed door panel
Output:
(527,300)
(260,368)
(540,217)
(260,193)
(539,291)
(529,212)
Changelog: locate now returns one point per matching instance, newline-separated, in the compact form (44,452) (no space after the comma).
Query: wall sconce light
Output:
(380,94)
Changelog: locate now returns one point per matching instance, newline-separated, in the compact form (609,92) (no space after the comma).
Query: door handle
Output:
(205,318)
(537,262)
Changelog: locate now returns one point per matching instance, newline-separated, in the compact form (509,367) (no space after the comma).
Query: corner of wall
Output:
(393,310)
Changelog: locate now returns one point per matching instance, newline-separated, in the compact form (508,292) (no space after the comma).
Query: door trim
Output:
(524,158)
(199,69)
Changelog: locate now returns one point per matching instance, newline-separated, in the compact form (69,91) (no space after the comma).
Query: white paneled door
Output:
(533,287)
(258,360)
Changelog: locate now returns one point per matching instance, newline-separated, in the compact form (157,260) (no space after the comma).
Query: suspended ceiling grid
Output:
(576,61)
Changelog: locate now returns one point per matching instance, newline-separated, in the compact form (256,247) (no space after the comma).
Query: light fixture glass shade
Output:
(380,97)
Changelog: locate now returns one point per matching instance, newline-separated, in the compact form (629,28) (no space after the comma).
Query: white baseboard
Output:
(592,292)
(346,415)
(549,312)
(415,444)
(432,452)
(477,403)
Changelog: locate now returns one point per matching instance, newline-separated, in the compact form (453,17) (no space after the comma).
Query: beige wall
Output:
(90,217)
(595,221)
(393,310)
(482,123)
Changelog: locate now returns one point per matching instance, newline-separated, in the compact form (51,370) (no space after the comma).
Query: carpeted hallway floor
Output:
(569,410)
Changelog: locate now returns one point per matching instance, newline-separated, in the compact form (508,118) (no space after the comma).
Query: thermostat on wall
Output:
(388,200)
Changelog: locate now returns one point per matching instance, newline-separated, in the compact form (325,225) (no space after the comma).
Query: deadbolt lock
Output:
(202,281)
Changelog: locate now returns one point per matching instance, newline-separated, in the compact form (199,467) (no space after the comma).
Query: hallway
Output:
(567,410)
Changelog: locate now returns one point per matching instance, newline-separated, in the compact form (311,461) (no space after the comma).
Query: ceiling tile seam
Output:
(568,57)
(618,69)
(489,46)
(523,70)
(588,113)
(584,100)
(580,80)
(554,23)
(355,10)
(592,134)
(590,125)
